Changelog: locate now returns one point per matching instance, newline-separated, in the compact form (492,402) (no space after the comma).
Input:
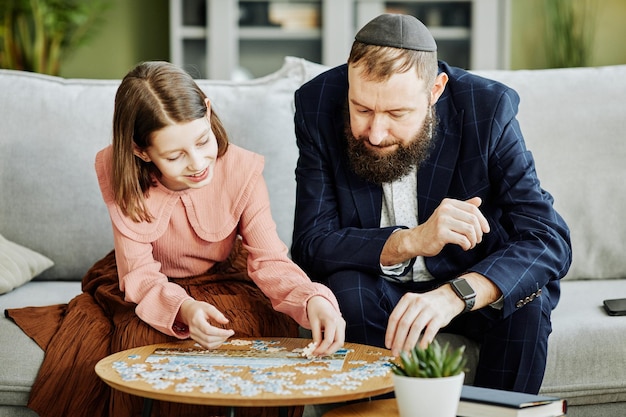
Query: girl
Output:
(182,202)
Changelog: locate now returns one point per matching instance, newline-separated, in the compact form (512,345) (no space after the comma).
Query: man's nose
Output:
(378,130)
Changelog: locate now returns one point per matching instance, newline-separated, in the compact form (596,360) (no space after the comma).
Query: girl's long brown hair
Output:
(151,96)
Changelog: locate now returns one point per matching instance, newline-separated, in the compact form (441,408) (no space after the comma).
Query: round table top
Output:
(377,408)
(248,372)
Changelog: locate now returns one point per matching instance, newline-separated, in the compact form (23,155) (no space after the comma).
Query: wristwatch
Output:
(465,292)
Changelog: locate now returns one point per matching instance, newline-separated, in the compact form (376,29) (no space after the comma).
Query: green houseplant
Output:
(35,35)
(428,382)
(570,27)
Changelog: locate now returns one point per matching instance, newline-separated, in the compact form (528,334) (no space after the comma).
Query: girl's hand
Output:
(198,316)
(327,326)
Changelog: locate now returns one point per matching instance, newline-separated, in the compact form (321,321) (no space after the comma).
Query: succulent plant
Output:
(433,362)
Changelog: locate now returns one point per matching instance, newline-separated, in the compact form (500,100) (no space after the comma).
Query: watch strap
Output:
(469,304)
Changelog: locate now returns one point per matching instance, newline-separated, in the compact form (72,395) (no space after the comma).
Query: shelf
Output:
(278,33)
(450,33)
(193,32)
(219,37)
(258,33)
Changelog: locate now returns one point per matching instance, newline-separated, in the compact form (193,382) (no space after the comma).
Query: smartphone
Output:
(615,307)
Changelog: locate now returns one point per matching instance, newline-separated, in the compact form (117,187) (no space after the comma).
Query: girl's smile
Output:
(201,176)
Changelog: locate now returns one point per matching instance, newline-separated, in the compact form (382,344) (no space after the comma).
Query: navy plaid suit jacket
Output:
(478,151)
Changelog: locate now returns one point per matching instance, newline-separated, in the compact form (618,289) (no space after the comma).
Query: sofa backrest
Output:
(51,129)
(574,122)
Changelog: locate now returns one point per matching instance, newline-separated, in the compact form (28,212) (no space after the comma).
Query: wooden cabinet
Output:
(229,39)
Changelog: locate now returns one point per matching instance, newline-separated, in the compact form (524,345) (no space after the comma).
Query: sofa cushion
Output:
(19,264)
(21,360)
(580,151)
(40,293)
(20,356)
(586,351)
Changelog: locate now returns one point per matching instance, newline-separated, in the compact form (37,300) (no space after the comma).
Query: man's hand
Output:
(198,316)
(453,222)
(456,222)
(423,313)
(325,322)
(419,317)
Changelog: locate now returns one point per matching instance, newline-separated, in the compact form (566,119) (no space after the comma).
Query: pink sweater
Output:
(195,228)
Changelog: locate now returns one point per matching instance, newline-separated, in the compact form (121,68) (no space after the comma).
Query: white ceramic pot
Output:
(428,397)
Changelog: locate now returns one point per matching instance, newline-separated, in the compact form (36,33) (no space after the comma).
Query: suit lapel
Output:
(367,199)
(435,175)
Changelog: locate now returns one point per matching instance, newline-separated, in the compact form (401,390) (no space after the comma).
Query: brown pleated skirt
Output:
(98,322)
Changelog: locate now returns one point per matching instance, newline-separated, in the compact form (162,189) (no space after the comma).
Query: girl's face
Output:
(184,153)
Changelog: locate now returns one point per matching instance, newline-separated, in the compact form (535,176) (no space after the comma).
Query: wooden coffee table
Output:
(377,408)
(255,372)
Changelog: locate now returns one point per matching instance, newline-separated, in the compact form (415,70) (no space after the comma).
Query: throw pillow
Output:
(18,265)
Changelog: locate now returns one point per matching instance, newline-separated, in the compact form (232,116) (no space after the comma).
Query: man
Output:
(418,204)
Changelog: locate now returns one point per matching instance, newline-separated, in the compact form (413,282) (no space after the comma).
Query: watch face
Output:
(463,288)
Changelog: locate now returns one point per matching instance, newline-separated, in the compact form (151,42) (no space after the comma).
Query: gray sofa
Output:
(574,121)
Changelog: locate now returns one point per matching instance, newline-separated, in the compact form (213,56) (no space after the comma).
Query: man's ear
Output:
(141,154)
(438,87)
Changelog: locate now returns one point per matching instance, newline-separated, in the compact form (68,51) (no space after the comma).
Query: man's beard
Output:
(388,167)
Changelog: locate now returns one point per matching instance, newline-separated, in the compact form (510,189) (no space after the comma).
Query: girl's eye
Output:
(173,158)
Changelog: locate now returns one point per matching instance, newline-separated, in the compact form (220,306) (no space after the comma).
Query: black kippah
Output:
(398,31)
